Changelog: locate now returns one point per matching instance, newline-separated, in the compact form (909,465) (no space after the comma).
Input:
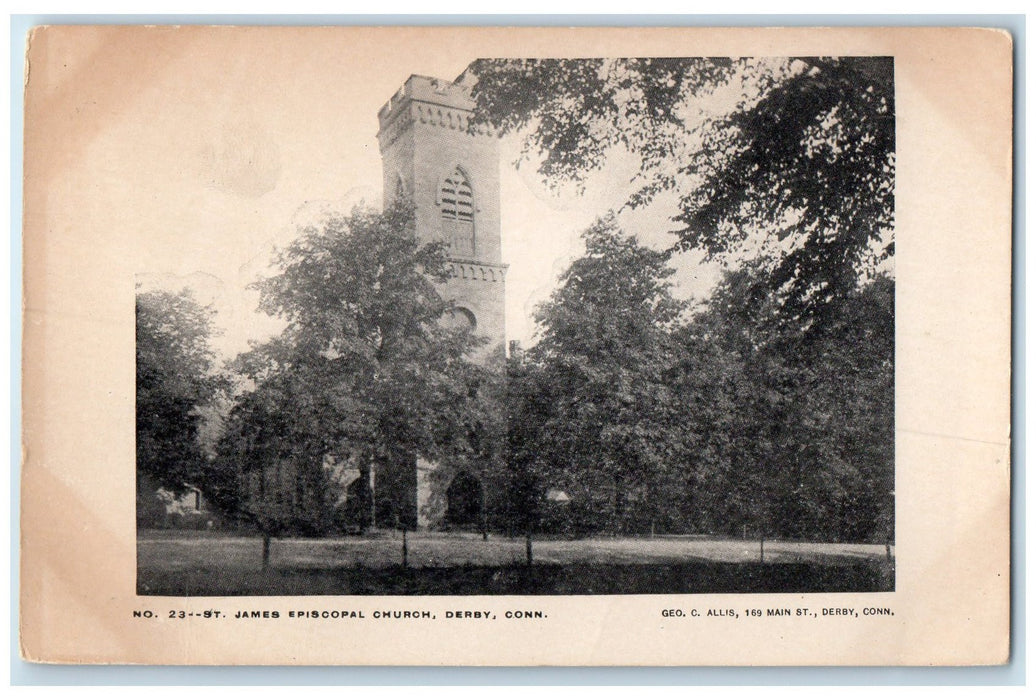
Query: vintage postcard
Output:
(517,346)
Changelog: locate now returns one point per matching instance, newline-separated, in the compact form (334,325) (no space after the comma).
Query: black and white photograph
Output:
(590,326)
(559,346)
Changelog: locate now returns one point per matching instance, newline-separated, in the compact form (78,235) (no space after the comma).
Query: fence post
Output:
(483,516)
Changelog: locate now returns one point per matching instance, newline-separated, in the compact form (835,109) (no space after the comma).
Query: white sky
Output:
(209,154)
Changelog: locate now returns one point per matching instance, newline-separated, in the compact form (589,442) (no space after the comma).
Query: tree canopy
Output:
(175,378)
(364,374)
(721,421)
(798,438)
(597,379)
(796,153)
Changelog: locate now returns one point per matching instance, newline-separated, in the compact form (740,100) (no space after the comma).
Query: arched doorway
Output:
(464,501)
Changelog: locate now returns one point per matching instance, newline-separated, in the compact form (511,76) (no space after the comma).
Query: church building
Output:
(450,174)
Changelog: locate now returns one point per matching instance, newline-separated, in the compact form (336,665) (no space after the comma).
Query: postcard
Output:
(517,346)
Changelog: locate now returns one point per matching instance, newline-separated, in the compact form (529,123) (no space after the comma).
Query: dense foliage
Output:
(770,410)
(797,155)
(598,380)
(631,414)
(767,410)
(797,427)
(364,376)
(723,421)
(175,381)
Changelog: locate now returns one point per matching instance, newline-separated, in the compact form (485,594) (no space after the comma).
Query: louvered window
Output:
(458,213)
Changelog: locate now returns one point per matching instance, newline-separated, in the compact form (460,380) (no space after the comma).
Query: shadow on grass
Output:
(541,579)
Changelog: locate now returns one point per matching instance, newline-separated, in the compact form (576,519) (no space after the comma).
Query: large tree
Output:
(605,405)
(796,155)
(176,379)
(365,374)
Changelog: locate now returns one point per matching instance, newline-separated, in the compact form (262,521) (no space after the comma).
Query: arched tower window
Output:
(459,318)
(457,205)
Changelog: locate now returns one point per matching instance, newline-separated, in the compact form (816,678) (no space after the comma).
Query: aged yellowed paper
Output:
(561,433)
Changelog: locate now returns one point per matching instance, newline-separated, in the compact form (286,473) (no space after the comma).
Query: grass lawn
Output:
(187,563)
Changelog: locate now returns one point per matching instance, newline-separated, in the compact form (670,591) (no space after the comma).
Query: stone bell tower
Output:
(452,176)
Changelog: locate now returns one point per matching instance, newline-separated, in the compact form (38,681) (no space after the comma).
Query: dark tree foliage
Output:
(596,383)
(276,433)
(175,378)
(726,421)
(528,472)
(798,436)
(804,156)
(364,373)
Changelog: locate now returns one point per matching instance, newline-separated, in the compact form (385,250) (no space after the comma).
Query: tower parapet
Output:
(450,103)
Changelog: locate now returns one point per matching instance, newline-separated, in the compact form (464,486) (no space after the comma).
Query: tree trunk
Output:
(372,484)
(482,515)
(528,547)
(404,548)
(761,560)
(266,550)
(616,504)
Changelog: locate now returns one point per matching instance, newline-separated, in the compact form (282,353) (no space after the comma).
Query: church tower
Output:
(452,176)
